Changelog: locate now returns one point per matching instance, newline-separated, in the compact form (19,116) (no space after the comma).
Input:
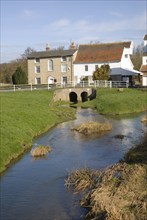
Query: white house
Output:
(117,55)
(143,68)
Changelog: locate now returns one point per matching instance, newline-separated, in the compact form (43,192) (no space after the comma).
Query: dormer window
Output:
(63,59)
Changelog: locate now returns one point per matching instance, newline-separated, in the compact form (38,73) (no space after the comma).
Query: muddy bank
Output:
(119,192)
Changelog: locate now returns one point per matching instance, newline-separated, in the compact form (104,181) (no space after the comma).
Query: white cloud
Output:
(84,27)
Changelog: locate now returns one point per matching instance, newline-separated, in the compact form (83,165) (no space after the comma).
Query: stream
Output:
(33,189)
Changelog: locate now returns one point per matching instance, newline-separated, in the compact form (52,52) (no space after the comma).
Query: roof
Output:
(145,37)
(143,68)
(97,53)
(52,53)
(123,72)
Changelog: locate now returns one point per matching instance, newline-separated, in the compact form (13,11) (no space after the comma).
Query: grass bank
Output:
(25,115)
(114,102)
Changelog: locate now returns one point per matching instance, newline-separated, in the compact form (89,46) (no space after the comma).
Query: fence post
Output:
(31,87)
(83,84)
(105,84)
(14,88)
(110,84)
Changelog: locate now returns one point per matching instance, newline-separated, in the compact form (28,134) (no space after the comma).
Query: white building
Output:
(143,68)
(117,55)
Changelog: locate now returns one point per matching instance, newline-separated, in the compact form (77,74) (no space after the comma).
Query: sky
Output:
(34,23)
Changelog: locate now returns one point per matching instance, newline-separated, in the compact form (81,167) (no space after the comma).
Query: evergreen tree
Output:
(19,76)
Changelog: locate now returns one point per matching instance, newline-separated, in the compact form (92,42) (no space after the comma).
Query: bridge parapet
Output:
(66,93)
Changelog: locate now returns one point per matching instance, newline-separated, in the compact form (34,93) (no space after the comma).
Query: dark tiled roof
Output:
(145,37)
(143,68)
(96,53)
(52,53)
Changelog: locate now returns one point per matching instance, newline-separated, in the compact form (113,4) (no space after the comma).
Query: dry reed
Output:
(144,119)
(41,151)
(93,127)
(80,180)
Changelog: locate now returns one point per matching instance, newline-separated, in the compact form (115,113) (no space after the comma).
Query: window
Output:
(63,68)
(37,60)
(63,59)
(50,65)
(37,80)
(64,79)
(86,67)
(126,55)
(96,67)
(37,69)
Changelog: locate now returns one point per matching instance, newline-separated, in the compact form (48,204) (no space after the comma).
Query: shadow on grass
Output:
(138,154)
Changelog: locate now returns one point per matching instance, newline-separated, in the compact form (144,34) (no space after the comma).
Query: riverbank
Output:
(25,115)
(118,192)
(116,102)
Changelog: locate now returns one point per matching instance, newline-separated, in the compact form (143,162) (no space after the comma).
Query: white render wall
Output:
(126,62)
(79,69)
(144,60)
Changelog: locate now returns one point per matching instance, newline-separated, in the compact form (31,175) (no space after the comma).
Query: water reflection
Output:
(34,189)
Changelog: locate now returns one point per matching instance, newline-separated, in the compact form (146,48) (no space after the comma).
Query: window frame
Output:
(37,68)
(63,59)
(86,68)
(52,65)
(96,67)
(37,59)
(62,68)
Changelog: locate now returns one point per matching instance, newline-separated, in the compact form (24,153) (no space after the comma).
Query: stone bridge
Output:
(74,94)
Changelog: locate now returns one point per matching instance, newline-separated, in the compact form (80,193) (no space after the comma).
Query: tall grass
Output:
(25,115)
(113,102)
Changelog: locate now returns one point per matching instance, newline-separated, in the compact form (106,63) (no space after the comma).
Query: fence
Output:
(95,84)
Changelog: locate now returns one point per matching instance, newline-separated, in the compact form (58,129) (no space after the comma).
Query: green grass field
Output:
(114,102)
(25,115)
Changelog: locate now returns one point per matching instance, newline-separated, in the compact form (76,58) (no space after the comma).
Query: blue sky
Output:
(33,23)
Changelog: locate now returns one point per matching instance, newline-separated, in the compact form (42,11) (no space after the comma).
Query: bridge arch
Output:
(73,97)
(84,96)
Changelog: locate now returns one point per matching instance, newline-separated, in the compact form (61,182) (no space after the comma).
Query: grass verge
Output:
(25,115)
(113,102)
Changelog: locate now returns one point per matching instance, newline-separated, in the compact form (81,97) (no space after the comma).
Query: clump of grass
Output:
(82,179)
(41,151)
(144,119)
(93,127)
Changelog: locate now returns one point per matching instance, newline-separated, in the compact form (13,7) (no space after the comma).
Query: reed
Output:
(80,180)
(41,151)
(144,119)
(93,127)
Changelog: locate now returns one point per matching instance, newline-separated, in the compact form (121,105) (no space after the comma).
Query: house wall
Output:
(79,69)
(45,73)
(144,60)
(126,61)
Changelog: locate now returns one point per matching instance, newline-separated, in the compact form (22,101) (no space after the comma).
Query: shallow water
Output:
(33,189)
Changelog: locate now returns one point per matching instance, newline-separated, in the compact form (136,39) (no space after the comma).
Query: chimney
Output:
(73,45)
(47,47)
